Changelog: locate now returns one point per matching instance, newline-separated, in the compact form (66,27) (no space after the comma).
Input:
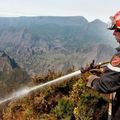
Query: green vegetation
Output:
(64,108)
(67,101)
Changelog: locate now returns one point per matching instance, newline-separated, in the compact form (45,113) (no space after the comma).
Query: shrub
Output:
(64,108)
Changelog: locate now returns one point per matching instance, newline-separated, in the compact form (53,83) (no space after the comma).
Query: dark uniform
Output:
(110,82)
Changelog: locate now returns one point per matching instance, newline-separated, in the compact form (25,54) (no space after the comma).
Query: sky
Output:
(90,9)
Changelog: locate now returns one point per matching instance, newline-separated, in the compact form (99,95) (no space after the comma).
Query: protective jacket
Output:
(110,82)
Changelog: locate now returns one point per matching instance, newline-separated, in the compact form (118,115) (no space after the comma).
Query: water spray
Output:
(26,90)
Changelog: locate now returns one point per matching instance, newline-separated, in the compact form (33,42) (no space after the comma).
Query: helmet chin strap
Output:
(118,48)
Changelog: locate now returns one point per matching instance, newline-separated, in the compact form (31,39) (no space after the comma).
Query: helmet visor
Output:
(111,25)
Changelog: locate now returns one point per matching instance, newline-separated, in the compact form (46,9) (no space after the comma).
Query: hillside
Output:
(12,76)
(70,100)
(47,48)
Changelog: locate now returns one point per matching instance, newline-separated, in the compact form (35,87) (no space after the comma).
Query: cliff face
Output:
(7,63)
(41,43)
(11,75)
(99,53)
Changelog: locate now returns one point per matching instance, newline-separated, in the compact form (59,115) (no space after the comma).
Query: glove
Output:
(90,79)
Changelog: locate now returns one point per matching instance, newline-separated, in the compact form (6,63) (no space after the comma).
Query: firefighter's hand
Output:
(103,70)
(90,80)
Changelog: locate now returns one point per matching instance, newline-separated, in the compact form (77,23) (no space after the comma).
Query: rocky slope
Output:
(42,43)
(11,75)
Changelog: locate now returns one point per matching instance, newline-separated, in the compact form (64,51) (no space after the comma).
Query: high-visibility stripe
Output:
(117,69)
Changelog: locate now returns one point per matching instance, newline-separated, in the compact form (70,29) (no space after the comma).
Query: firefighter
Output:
(109,82)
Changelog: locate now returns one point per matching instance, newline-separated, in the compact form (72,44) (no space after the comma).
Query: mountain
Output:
(42,43)
(11,75)
(20,22)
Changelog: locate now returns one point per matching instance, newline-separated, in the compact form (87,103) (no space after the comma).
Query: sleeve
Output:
(109,82)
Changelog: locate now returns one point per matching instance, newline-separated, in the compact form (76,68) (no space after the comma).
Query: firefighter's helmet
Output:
(114,21)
